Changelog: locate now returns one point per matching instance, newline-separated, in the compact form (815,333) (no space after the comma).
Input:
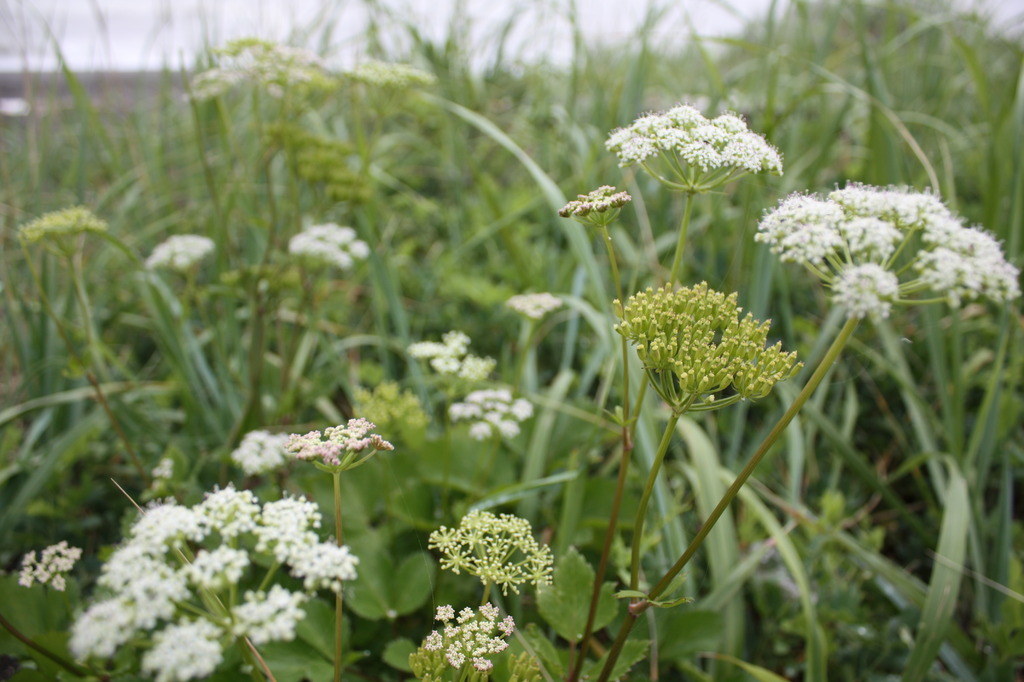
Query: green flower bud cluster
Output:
(694,345)
(500,550)
(58,225)
(320,161)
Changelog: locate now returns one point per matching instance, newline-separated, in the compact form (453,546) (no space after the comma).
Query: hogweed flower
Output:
(598,208)
(466,642)
(328,245)
(876,247)
(694,345)
(494,411)
(451,357)
(187,611)
(534,306)
(180,252)
(52,566)
(499,550)
(260,452)
(57,229)
(687,152)
(393,76)
(338,448)
(263,64)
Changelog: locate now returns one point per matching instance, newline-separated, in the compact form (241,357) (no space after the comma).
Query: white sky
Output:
(140,34)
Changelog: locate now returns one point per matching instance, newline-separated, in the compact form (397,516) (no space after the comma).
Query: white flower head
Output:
(392,76)
(862,240)
(52,566)
(180,252)
(150,581)
(260,452)
(451,357)
(492,411)
(270,66)
(472,638)
(188,650)
(328,245)
(340,447)
(534,306)
(716,151)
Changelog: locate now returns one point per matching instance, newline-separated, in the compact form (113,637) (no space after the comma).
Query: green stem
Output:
(645,498)
(684,227)
(637,608)
(337,597)
(627,448)
(74,669)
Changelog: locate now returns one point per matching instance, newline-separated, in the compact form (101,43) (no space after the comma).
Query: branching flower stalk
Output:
(861,241)
(338,449)
(60,232)
(598,209)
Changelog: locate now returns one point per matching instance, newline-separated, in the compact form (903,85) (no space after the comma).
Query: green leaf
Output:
(944,586)
(565,603)
(633,651)
(397,652)
(551,658)
(755,671)
(412,584)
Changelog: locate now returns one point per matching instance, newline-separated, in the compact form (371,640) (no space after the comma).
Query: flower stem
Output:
(645,498)
(637,608)
(627,449)
(684,227)
(337,597)
(74,669)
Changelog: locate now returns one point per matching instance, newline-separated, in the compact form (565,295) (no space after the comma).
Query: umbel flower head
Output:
(186,611)
(451,357)
(260,452)
(58,227)
(180,252)
(338,448)
(694,346)
(687,152)
(534,306)
(51,568)
(876,246)
(492,411)
(392,76)
(499,550)
(466,643)
(328,245)
(262,64)
(598,208)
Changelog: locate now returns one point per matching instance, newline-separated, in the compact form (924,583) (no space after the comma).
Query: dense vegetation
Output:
(881,537)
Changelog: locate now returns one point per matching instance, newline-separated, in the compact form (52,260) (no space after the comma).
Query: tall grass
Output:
(883,540)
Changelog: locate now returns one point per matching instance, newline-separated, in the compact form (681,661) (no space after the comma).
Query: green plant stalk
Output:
(336,475)
(638,607)
(645,498)
(620,484)
(684,227)
(101,398)
(74,669)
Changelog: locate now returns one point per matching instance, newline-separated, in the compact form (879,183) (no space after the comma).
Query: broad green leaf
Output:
(541,647)
(564,603)
(396,653)
(633,651)
(411,585)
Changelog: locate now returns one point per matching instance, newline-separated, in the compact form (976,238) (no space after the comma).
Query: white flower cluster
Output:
(861,239)
(164,469)
(260,452)
(328,245)
(338,446)
(450,357)
(51,568)
(682,135)
(152,593)
(180,252)
(472,637)
(386,75)
(257,62)
(494,411)
(534,306)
